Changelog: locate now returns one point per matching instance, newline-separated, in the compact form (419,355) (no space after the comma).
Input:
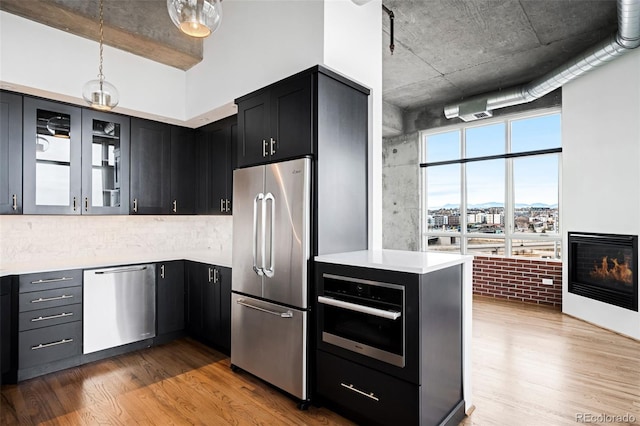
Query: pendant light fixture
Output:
(197,18)
(100,94)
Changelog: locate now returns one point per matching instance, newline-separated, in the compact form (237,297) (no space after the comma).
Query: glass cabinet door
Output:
(105,166)
(52,155)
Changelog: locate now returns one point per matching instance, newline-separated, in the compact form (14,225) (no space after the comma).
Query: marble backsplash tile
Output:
(56,238)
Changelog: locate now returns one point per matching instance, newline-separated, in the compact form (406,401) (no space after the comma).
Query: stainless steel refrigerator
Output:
(271,249)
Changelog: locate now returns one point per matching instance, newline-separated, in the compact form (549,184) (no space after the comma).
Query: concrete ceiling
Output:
(445,50)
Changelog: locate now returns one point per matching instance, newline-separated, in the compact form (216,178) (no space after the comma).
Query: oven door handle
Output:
(392,315)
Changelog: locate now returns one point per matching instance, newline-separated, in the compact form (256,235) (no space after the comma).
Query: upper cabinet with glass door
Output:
(105,163)
(51,158)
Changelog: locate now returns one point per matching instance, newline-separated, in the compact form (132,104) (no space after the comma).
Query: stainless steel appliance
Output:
(119,306)
(271,249)
(363,316)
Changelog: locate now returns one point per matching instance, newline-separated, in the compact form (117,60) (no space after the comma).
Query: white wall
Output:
(258,43)
(48,62)
(601,171)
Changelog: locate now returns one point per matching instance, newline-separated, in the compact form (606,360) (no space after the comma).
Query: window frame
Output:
(509,235)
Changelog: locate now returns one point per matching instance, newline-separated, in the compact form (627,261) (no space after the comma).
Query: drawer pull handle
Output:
(49,299)
(62,315)
(52,280)
(368,395)
(48,345)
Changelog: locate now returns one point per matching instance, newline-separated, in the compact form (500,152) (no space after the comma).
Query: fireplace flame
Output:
(620,272)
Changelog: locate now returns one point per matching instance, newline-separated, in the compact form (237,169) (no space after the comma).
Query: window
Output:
(492,188)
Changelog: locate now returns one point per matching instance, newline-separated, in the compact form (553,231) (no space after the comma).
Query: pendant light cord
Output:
(100,75)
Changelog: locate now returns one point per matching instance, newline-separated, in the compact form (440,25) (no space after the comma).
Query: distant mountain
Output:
(495,204)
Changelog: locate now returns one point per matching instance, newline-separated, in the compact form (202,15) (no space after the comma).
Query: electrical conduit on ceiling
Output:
(626,39)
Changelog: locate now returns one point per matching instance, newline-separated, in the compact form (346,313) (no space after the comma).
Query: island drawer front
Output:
(47,317)
(47,344)
(371,396)
(50,280)
(49,298)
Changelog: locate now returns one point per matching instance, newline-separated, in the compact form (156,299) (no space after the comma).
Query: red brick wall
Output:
(518,279)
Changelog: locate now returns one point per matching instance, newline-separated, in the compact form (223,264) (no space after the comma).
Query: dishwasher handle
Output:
(119,271)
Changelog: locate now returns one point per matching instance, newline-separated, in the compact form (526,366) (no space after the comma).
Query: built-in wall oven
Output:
(363,316)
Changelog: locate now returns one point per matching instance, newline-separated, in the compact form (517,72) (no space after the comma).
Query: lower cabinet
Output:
(49,322)
(367,395)
(170,309)
(209,304)
(8,329)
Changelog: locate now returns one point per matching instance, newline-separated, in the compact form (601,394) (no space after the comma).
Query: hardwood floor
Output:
(532,366)
(535,366)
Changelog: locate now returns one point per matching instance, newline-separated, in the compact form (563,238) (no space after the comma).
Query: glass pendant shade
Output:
(100,95)
(197,18)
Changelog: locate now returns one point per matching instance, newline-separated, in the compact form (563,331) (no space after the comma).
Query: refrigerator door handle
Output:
(268,271)
(287,314)
(256,269)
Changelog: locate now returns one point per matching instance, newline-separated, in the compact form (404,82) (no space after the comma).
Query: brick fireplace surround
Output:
(518,280)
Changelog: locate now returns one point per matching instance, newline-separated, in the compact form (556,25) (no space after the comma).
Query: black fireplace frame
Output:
(611,296)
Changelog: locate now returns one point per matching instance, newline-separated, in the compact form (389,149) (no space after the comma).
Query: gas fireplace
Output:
(604,267)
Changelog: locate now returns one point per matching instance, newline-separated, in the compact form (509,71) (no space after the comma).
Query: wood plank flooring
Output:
(532,366)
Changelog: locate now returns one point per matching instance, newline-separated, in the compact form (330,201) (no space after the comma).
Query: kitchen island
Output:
(394,335)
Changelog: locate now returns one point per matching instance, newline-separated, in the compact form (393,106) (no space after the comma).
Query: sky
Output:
(535,178)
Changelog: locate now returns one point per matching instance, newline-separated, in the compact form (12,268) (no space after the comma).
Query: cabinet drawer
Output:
(47,317)
(371,396)
(47,344)
(50,280)
(49,298)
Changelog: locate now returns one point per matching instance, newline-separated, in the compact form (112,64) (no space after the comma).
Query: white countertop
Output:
(45,265)
(415,262)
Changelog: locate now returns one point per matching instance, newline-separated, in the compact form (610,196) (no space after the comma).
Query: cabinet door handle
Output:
(210,274)
(356,390)
(221,205)
(135,205)
(264,147)
(86,204)
(216,277)
(175,206)
(272,147)
(228,209)
(15,202)
(62,315)
(162,271)
(75,204)
(47,345)
(52,280)
(49,299)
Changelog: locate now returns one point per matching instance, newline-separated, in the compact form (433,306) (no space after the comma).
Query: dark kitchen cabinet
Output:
(10,153)
(216,144)
(105,163)
(209,304)
(150,167)
(183,172)
(275,123)
(170,293)
(49,322)
(52,152)
(162,172)
(8,330)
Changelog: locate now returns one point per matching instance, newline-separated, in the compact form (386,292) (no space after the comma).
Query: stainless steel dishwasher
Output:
(119,306)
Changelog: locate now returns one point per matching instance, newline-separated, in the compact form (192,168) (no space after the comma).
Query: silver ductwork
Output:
(627,38)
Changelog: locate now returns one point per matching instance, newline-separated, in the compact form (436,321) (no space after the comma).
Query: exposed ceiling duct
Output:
(627,38)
